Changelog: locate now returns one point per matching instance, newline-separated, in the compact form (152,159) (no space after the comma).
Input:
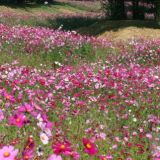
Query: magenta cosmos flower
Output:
(28,151)
(89,147)
(73,154)
(107,157)
(1,115)
(18,120)
(55,157)
(61,148)
(8,153)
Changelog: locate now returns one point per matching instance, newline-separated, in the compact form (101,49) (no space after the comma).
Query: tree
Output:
(135,9)
(115,9)
(119,12)
(157,4)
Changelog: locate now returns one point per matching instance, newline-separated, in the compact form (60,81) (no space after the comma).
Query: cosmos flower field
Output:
(108,109)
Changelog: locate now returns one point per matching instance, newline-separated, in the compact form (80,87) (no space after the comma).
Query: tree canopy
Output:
(118,9)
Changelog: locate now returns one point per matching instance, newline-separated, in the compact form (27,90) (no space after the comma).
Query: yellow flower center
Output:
(88,145)
(17,120)
(30,140)
(6,154)
(26,157)
(43,138)
(8,97)
(62,146)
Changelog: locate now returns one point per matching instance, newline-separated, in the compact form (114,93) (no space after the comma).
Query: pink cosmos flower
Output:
(9,97)
(74,155)
(28,151)
(1,115)
(149,135)
(107,157)
(18,120)
(25,108)
(54,157)
(62,148)
(89,147)
(28,155)
(8,153)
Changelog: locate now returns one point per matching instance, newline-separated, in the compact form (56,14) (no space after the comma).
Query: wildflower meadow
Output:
(67,96)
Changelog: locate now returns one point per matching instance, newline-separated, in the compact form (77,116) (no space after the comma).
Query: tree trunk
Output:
(117,9)
(120,9)
(138,11)
(135,9)
(157,3)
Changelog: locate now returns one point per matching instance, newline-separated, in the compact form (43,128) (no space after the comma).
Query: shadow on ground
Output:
(33,5)
(103,26)
(69,22)
(94,25)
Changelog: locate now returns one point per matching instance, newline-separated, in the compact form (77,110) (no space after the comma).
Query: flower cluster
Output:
(135,50)
(72,111)
(38,39)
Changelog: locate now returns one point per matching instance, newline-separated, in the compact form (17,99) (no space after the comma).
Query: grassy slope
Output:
(122,30)
(92,6)
(57,7)
(48,15)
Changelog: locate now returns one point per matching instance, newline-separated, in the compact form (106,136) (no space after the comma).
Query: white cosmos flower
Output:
(48,132)
(134,120)
(45,2)
(44,138)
